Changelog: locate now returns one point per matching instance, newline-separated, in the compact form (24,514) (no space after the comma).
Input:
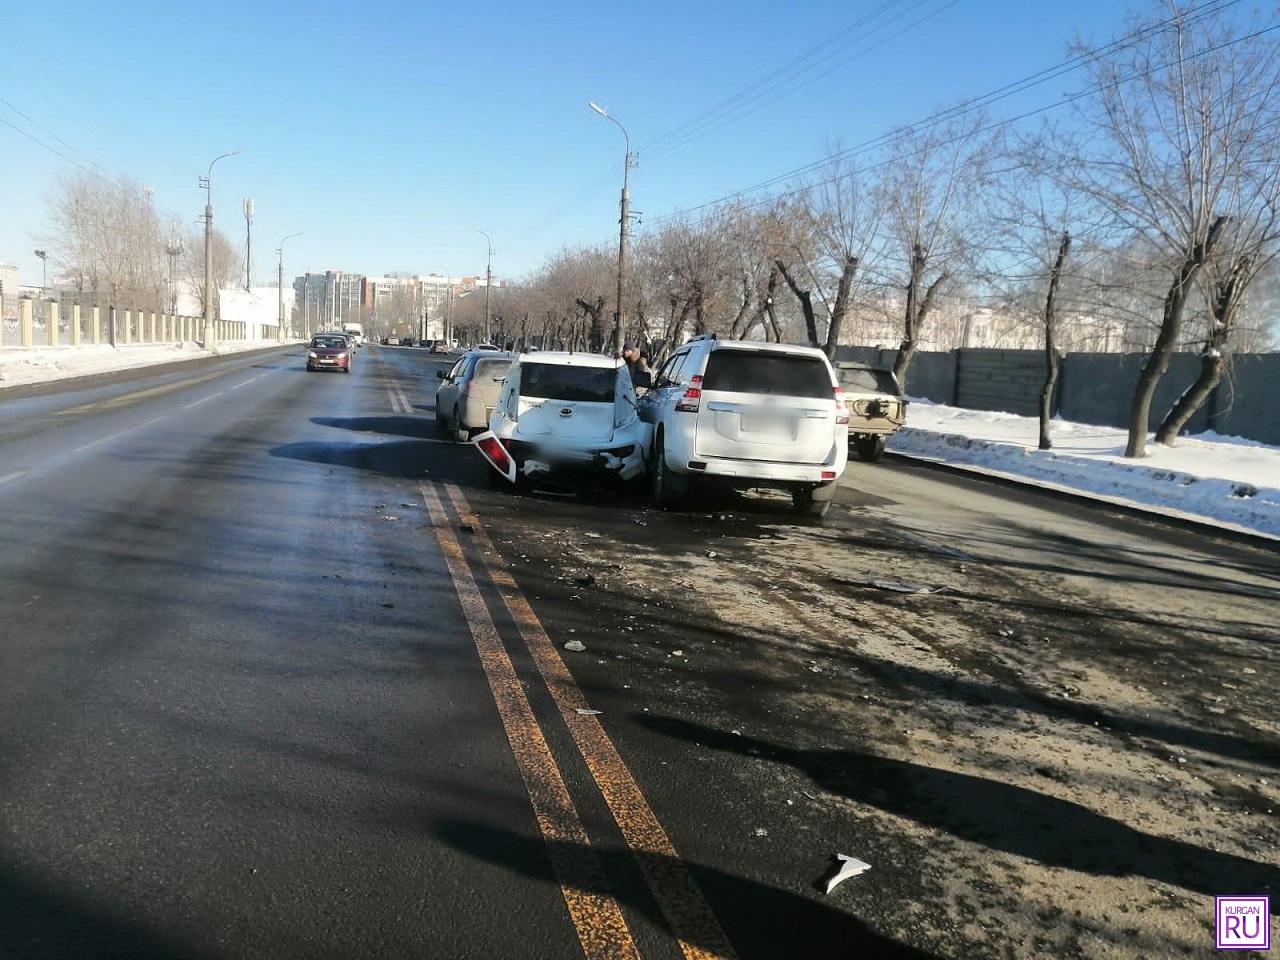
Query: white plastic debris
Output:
(849,867)
(577,646)
(587,712)
(593,536)
(760,832)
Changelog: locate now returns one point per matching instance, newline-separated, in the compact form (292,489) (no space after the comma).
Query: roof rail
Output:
(702,336)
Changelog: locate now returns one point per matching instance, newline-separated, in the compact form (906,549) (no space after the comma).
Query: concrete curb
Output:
(1135,510)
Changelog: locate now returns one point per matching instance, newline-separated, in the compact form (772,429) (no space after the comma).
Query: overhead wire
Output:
(968,106)
(797,66)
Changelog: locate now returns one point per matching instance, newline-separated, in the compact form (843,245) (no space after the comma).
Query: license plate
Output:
(328,361)
(774,426)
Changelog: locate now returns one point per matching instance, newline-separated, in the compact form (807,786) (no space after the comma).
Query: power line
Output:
(981,101)
(750,108)
(40,126)
(801,60)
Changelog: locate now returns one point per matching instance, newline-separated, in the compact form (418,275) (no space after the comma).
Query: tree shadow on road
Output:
(37,921)
(761,921)
(402,459)
(1001,816)
(389,425)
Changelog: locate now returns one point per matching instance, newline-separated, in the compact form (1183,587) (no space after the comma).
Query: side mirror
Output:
(642,381)
(440,374)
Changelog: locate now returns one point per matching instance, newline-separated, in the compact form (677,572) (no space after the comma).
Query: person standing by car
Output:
(635,361)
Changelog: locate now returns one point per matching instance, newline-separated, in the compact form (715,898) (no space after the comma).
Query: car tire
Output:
(667,490)
(870,449)
(811,501)
(459,431)
(442,425)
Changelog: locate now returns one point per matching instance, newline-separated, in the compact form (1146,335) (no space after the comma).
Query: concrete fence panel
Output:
(1247,402)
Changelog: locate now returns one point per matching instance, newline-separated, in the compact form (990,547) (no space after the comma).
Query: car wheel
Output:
(813,501)
(459,431)
(870,449)
(666,490)
(441,423)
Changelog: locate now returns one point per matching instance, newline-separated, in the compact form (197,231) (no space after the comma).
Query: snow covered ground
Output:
(1225,480)
(41,364)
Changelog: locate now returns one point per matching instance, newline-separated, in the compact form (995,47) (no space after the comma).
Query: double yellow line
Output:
(597,917)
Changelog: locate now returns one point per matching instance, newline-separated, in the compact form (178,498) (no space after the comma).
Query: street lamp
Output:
(280,285)
(488,286)
(206,183)
(624,223)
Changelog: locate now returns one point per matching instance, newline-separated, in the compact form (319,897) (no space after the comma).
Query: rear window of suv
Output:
(758,371)
(553,381)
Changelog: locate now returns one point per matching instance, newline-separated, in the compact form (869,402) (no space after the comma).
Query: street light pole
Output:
(488,287)
(280,285)
(248,241)
(624,225)
(207,183)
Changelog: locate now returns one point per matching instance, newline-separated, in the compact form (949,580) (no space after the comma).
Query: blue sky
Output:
(388,131)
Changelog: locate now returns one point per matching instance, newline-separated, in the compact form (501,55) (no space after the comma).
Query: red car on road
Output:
(329,352)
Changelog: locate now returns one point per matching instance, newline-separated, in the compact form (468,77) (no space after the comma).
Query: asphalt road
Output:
(280,676)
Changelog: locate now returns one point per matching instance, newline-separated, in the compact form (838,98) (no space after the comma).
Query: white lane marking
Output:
(212,396)
(13,476)
(120,433)
(247,382)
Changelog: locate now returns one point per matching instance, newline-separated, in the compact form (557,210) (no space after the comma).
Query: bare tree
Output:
(1178,118)
(929,187)
(227,267)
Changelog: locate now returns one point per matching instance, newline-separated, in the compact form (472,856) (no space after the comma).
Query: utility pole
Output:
(248,244)
(280,285)
(206,182)
(488,287)
(44,281)
(173,249)
(624,225)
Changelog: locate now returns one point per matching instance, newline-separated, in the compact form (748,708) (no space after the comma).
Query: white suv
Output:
(748,414)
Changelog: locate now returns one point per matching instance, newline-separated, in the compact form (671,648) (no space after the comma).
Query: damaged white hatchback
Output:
(566,417)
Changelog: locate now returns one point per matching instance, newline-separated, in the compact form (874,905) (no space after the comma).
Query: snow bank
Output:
(42,364)
(1226,480)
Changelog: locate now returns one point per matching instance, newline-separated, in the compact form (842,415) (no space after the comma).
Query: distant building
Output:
(400,297)
(327,300)
(8,291)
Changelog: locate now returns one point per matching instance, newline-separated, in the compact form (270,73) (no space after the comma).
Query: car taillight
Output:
(692,398)
(492,448)
(842,411)
(828,474)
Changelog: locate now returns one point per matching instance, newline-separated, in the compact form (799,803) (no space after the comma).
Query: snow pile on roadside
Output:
(41,364)
(1226,480)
